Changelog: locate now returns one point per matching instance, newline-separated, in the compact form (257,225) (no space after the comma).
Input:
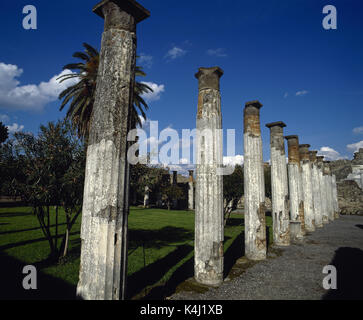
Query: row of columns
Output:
(304,194)
(103,266)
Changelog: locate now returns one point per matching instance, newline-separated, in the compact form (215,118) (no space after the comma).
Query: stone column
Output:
(316,190)
(103,263)
(254,184)
(329,192)
(323,193)
(191,190)
(209,229)
(279,184)
(307,187)
(146,197)
(335,197)
(295,183)
(174,178)
(361,178)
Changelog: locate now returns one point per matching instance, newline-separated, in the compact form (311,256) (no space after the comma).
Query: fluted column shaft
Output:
(209,226)
(279,185)
(254,184)
(103,264)
(307,187)
(295,182)
(316,190)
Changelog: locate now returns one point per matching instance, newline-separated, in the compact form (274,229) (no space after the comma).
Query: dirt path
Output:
(298,272)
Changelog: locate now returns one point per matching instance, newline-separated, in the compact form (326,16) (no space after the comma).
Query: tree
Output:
(4,133)
(173,192)
(54,165)
(232,191)
(81,95)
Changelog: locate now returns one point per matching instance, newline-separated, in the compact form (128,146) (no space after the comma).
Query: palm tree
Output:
(81,95)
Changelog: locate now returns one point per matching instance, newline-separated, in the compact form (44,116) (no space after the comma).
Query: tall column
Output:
(209,229)
(328,190)
(174,178)
(307,187)
(316,190)
(335,197)
(323,193)
(103,264)
(279,184)
(295,182)
(361,178)
(254,184)
(146,197)
(191,190)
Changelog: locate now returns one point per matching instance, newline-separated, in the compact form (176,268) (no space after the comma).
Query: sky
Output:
(274,51)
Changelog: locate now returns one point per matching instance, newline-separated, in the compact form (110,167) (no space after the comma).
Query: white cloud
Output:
(330,154)
(354,147)
(4,118)
(302,93)
(358,130)
(175,53)
(286,95)
(233,161)
(145,60)
(181,169)
(29,96)
(220,52)
(157,91)
(15,128)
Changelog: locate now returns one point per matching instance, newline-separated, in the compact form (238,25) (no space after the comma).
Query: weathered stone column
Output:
(307,187)
(279,184)
(254,184)
(191,190)
(361,178)
(103,264)
(316,190)
(295,183)
(323,193)
(174,178)
(146,197)
(329,192)
(335,197)
(209,229)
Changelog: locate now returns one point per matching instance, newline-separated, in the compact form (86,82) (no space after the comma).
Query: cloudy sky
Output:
(275,51)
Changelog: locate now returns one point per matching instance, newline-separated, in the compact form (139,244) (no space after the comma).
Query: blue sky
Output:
(275,51)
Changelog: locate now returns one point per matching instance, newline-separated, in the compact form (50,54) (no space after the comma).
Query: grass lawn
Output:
(160,247)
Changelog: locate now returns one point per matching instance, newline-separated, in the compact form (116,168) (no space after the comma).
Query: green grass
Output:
(160,242)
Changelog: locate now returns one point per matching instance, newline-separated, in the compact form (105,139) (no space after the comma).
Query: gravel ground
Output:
(297,274)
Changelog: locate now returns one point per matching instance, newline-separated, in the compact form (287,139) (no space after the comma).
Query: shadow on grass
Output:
(349,265)
(15,214)
(158,238)
(30,229)
(48,287)
(154,272)
(186,270)
(235,222)
(23,243)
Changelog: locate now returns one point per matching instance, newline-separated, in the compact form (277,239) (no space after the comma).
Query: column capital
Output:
(293,149)
(304,152)
(255,104)
(294,137)
(312,155)
(209,77)
(252,118)
(121,14)
(276,124)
